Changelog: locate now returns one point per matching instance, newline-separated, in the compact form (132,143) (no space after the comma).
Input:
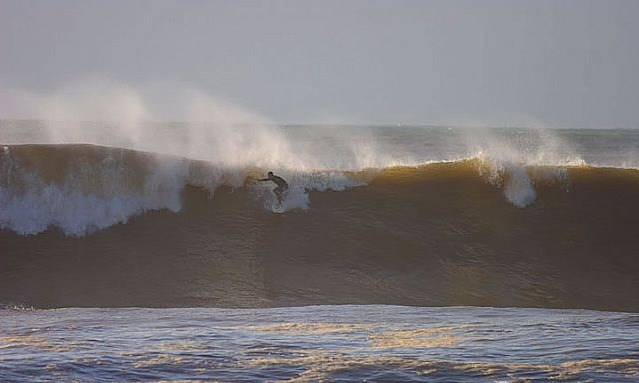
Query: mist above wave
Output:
(180,120)
(225,144)
(205,128)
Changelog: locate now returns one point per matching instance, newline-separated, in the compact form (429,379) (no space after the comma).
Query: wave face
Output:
(122,227)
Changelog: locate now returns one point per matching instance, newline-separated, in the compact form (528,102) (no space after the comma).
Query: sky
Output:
(490,63)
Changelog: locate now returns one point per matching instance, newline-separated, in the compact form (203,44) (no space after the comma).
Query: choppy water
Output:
(319,343)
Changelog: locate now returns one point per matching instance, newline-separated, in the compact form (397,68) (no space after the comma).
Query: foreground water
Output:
(319,343)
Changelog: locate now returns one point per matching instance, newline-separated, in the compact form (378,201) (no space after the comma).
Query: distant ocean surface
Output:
(98,220)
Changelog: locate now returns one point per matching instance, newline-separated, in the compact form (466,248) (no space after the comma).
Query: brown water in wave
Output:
(434,235)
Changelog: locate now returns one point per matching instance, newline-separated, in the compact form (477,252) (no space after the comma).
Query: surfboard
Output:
(277,207)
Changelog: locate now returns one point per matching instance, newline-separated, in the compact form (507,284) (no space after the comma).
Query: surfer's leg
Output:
(278,193)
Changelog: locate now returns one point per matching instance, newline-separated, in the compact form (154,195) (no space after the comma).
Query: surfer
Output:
(282,186)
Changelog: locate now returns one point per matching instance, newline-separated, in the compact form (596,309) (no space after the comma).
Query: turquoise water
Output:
(320,343)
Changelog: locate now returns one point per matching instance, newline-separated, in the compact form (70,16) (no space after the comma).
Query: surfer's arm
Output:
(263,179)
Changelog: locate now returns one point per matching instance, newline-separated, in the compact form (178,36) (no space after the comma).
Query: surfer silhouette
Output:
(282,186)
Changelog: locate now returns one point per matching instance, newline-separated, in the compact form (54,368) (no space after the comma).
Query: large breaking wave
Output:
(100,206)
(83,188)
(468,232)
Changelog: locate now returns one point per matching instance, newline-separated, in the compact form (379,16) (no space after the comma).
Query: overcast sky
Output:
(552,63)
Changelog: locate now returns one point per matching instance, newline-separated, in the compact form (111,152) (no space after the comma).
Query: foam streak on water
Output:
(352,343)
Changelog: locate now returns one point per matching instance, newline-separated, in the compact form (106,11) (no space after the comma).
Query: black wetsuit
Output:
(281,185)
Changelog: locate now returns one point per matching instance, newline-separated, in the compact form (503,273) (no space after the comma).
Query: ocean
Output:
(153,253)
(371,343)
